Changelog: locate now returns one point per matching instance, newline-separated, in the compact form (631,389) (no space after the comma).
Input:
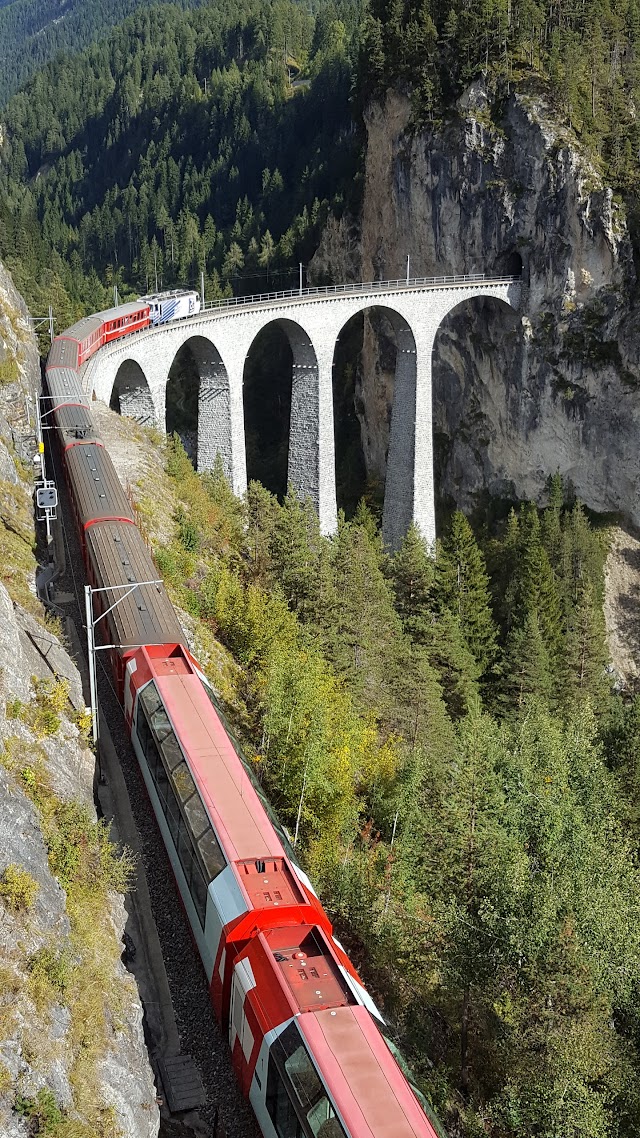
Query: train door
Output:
(241,1037)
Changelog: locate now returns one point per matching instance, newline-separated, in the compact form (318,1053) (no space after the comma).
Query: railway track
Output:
(225,1112)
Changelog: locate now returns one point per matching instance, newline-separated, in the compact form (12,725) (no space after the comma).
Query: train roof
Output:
(154,296)
(119,556)
(243,827)
(75,423)
(89,324)
(64,387)
(366,1085)
(63,353)
(97,490)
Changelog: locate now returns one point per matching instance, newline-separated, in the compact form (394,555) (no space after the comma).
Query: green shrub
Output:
(43,1111)
(188,532)
(51,697)
(81,852)
(50,972)
(42,715)
(9,371)
(83,721)
(18,889)
(29,778)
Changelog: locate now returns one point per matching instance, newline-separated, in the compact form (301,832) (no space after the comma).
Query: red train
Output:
(75,346)
(307,1042)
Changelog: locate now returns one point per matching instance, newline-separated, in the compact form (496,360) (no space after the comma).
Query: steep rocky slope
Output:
(493,189)
(71,1044)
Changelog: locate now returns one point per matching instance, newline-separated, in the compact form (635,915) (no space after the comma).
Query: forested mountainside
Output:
(181,144)
(33,31)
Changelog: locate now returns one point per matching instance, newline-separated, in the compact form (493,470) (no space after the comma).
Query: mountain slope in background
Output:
(34,31)
(182,143)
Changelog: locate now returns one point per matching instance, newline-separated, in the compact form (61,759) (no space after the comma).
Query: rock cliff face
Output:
(495,191)
(55,1061)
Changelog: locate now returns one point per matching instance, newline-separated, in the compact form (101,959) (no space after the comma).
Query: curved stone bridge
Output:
(220,339)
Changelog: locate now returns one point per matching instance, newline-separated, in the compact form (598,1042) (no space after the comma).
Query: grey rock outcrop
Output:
(514,401)
(37,1050)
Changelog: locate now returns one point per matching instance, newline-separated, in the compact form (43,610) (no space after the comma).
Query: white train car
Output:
(175,305)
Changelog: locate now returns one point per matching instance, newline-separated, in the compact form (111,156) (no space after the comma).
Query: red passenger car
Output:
(78,343)
(305,1035)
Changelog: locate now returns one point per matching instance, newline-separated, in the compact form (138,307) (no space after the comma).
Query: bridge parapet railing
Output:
(364,287)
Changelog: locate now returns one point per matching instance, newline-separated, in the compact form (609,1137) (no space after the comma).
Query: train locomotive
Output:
(307,1041)
(164,306)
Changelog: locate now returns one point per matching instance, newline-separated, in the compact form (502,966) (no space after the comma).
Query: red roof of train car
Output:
(235,808)
(361,1075)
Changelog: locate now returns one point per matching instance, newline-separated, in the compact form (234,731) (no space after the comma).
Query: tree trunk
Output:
(464,1044)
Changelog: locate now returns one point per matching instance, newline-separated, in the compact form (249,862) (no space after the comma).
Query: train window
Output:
(302,1084)
(185,849)
(196,815)
(211,854)
(183,782)
(323,1122)
(151,753)
(198,888)
(144,734)
(160,723)
(281,1109)
(171,751)
(162,784)
(304,1077)
(173,819)
(177,793)
(150,699)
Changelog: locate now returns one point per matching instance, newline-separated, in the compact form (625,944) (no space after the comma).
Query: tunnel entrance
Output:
(509,264)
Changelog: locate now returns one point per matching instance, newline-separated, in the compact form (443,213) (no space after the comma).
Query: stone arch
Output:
(471,384)
(303,467)
(409,488)
(214,432)
(130,394)
(399,456)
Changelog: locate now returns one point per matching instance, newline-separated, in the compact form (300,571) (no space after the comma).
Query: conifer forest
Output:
(442,734)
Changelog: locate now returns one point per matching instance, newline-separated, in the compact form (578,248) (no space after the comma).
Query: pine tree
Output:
(551,522)
(533,587)
(526,668)
(301,560)
(462,587)
(586,654)
(362,630)
(449,655)
(411,571)
(261,509)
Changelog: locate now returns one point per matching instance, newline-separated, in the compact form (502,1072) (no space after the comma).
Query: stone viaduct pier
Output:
(220,338)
